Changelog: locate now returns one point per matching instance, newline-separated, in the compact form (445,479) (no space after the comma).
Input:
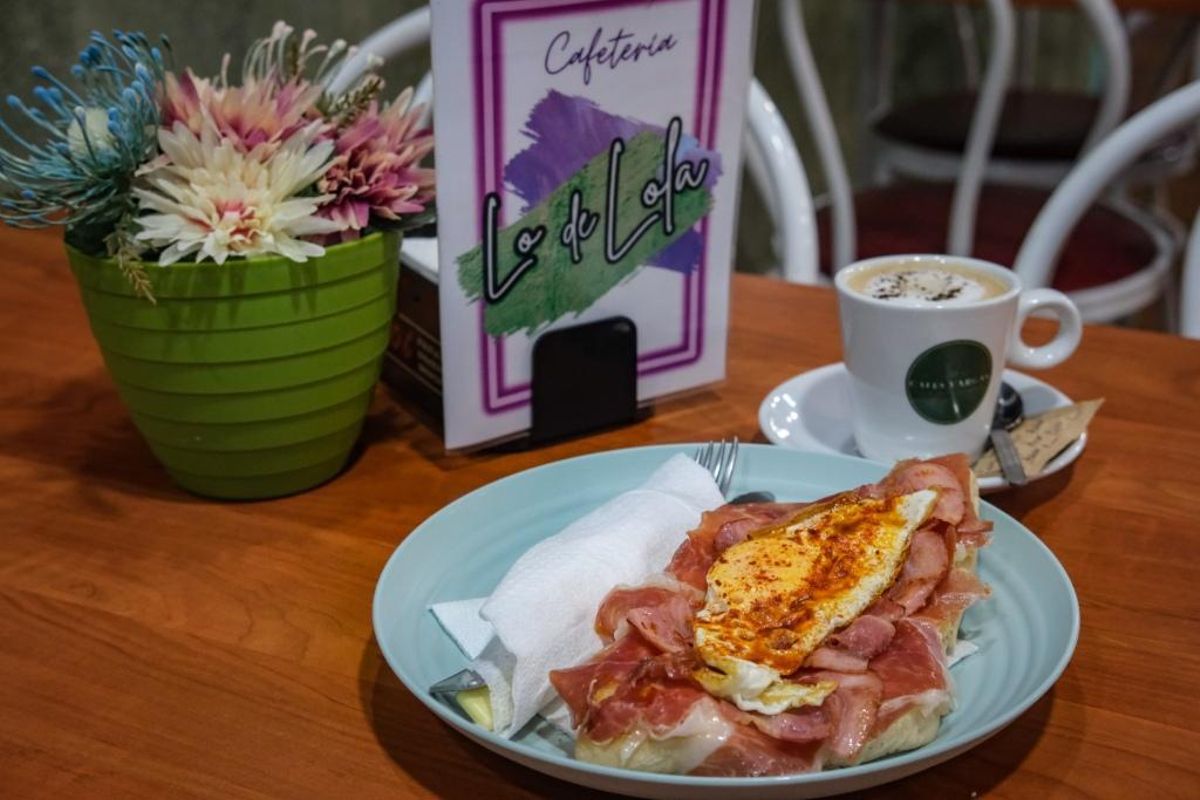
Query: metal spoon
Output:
(753,497)
(1010,412)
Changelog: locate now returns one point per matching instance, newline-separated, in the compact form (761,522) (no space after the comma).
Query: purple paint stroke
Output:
(568,132)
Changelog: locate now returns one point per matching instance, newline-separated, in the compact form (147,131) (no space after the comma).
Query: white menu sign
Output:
(588,157)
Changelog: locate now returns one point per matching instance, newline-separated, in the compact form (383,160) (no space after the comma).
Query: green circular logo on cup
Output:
(947,382)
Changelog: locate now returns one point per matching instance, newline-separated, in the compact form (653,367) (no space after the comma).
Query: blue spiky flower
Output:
(93,137)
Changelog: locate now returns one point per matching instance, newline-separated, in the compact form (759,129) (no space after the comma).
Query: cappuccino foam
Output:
(927,285)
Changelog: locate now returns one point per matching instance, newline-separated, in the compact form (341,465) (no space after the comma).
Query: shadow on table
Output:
(433,754)
(977,772)
(81,425)
(1021,500)
(396,418)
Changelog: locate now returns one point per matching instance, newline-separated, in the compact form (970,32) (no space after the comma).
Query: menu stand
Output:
(584,377)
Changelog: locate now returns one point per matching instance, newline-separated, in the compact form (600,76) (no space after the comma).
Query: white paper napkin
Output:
(540,617)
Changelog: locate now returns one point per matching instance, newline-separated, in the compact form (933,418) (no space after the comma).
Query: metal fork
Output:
(719,458)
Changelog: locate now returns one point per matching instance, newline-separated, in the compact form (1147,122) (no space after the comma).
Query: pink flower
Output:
(375,168)
(258,112)
(209,200)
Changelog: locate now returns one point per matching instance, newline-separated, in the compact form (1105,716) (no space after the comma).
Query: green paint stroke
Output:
(556,286)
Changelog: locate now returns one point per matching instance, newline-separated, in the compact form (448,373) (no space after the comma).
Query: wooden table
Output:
(156,645)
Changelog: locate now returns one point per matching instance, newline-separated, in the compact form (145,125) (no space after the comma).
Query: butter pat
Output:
(478,705)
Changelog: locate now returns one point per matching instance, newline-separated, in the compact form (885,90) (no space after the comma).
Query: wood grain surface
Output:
(156,645)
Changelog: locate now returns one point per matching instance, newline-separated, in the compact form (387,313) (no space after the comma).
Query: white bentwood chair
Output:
(1116,263)
(771,156)
(1039,133)
(1035,262)
(1189,294)
(979,139)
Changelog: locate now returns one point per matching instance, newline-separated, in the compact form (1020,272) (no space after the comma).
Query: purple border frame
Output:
(708,93)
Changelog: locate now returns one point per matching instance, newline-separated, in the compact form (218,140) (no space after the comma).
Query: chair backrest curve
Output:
(1039,252)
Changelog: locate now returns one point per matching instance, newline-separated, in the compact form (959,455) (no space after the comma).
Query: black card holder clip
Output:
(584,378)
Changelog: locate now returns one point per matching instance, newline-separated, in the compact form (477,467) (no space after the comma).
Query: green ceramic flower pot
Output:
(251,379)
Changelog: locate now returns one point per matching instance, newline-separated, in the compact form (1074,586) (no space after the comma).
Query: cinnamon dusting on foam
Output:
(928,285)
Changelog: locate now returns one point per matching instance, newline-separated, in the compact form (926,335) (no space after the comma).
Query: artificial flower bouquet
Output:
(143,163)
(235,245)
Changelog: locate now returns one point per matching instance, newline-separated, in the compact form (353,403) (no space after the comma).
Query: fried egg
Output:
(773,598)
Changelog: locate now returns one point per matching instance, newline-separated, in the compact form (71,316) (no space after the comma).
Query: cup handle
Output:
(1070,330)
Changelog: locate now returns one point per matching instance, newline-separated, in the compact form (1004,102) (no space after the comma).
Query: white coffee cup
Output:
(924,374)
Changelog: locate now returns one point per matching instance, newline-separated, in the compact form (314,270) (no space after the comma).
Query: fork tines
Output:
(719,458)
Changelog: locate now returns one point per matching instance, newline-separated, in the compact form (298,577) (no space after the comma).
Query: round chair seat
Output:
(1034,125)
(1106,246)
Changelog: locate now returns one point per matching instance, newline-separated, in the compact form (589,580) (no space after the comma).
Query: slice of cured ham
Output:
(585,687)
(912,671)
(836,659)
(852,710)
(913,662)
(926,565)
(954,595)
(809,724)
(719,530)
(749,752)
(912,476)
(661,614)
(867,636)
(850,649)
(640,692)
(971,528)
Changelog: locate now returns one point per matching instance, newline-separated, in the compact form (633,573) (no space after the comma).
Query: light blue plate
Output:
(1026,630)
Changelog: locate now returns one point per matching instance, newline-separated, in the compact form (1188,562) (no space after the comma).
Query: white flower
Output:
(217,202)
(93,135)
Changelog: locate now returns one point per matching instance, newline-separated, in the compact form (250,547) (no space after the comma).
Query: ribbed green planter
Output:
(251,379)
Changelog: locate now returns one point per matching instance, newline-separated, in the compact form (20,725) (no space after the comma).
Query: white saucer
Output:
(811,412)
